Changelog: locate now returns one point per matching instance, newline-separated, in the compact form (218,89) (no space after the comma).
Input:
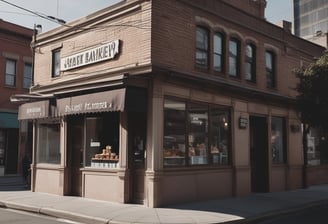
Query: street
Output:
(315,215)
(19,217)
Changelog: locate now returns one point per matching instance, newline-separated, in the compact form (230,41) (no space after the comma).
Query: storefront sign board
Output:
(100,53)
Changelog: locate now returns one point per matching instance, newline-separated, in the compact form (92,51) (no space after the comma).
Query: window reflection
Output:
(203,128)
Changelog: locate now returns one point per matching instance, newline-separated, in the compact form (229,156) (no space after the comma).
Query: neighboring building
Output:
(158,102)
(311,20)
(16,76)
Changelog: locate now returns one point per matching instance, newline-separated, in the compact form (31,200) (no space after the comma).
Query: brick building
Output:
(158,102)
(15,70)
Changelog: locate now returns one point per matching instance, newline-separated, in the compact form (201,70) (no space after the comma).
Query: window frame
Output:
(204,51)
(46,151)
(27,78)
(55,67)
(251,61)
(271,79)
(12,75)
(186,157)
(235,56)
(220,54)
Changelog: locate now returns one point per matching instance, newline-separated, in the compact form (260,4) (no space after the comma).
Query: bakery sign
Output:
(100,53)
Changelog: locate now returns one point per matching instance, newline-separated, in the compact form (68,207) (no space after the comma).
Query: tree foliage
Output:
(312,99)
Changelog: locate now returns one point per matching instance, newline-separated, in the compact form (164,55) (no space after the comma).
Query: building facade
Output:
(159,102)
(16,76)
(310,20)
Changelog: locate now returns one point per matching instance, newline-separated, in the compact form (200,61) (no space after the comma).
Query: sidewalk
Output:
(236,210)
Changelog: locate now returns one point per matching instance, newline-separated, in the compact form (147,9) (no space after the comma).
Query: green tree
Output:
(312,99)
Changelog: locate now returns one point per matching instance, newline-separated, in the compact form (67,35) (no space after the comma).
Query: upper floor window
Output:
(56,63)
(202,47)
(250,62)
(270,69)
(27,75)
(10,79)
(218,60)
(234,57)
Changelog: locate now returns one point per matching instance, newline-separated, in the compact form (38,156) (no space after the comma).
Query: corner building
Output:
(160,102)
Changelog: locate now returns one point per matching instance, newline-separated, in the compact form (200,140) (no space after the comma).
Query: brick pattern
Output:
(15,44)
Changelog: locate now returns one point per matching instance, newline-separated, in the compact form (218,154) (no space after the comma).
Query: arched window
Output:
(202,47)
(270,69)
(218,57)
(250,67)
(234,57)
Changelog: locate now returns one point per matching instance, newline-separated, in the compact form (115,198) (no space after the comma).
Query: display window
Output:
(48,150)
(102,141)
(205,129)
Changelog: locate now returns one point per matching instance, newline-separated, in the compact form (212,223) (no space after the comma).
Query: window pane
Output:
(198,134)
(27,76)
(174,151)
(277,139)
(233,58)
(220,133)
(56,63)
(250,65)
(201,58)
(49,144)
(317,145)
(10,73)
(270,73)
(218,51)
(202,44)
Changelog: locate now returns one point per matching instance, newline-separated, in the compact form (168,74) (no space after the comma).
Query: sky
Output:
(70,10)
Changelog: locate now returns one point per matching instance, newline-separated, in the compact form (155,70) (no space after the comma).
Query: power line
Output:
(50,18)
(135,23)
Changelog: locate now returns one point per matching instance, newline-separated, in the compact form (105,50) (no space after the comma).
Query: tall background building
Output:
(311,20)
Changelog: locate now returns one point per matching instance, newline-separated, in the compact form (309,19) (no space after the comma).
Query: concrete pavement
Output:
(232,210)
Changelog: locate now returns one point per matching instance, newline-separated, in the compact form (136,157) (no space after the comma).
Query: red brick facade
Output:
(14,46)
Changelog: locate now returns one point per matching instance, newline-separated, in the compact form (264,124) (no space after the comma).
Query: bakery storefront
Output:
(81,143)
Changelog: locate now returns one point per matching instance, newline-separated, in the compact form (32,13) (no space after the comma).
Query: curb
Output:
(72,216)
(282,212)
(54,213)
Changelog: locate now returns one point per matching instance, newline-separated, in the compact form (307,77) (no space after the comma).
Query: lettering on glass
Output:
(101,53)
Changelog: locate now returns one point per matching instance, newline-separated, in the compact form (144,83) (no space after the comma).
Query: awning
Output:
(34,110)
(8,120)
(107,101)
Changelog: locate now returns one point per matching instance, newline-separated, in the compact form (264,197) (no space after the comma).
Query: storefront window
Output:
(102,141)
(198,134)
(219,134)
(174,133)
(278,139)
(48,143)
(205,129)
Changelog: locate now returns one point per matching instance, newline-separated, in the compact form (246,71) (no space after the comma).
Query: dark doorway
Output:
(259,154)
(137,155)
(75,140)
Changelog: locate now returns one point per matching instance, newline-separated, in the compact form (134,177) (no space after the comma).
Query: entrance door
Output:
(137,146)
(259,154)
(75,155)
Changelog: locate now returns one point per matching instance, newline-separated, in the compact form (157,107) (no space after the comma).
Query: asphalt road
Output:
(8,216)
(314,215)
